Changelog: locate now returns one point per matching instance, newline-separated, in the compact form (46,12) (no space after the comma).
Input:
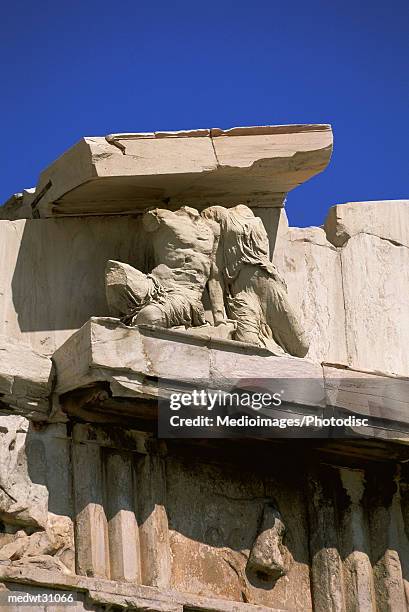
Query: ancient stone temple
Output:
(142,265)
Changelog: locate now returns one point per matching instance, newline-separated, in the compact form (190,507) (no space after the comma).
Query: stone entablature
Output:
(144,263)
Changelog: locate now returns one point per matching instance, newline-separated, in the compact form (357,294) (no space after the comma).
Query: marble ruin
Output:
(141,263)
(232,259)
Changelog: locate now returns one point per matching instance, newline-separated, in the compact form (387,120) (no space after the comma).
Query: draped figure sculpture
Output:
(223,250)
(255,293)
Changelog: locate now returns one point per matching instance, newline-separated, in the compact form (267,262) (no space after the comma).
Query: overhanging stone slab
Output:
(382,398)
(134,359)
(128,172)
(148,363)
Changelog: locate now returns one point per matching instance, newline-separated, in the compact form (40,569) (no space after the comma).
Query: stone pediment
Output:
(124,173)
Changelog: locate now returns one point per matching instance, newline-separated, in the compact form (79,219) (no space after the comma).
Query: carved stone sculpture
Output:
(22,501)
(265,556)
(52,548)
(256,294)
(225,249)
(29,532)
(182,250)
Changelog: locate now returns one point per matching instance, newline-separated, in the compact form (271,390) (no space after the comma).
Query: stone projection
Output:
(139,266)
(265,557)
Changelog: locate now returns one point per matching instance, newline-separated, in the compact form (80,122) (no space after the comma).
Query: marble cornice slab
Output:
(133,360)
(124,173)
(113,363)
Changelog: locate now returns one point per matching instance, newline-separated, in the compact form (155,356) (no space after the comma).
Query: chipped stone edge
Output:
(99,590)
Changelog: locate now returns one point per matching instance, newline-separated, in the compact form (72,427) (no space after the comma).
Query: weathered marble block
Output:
(387,219)
(311,266)
(127,172)
(134,359)
(26,379)
(52,277)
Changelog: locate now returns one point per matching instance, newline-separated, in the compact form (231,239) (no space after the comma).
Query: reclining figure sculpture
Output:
(224,251)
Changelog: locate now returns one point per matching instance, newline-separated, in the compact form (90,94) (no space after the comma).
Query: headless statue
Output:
(226,250)
(256,295)
(183,249)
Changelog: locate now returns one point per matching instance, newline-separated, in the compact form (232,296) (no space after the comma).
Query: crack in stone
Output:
(391,240)
(112,141)
(8,494)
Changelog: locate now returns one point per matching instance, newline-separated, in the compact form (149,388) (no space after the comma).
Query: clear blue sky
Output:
(90,68)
